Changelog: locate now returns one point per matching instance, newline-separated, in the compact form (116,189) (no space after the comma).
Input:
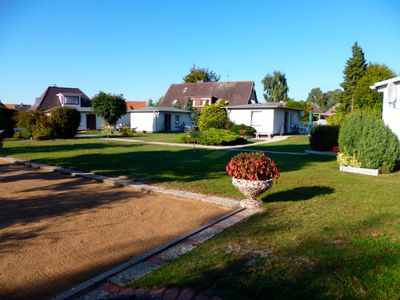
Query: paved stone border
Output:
(327,153)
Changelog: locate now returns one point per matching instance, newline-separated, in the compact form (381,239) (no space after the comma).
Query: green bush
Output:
(43,130)
(243,130)
(35,124)
(369,141)
(324,137)
(127,131)
(65,122)
(214,136)
(7,122)
(214,116)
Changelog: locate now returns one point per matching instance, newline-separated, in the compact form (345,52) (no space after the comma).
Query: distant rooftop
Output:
(268,105)
(161,109)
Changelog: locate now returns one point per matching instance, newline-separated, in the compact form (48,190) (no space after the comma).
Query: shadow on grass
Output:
(299,194)
(316,267)
(141,163)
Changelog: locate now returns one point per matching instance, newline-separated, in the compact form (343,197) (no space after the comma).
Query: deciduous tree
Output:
(200,74)
(275,87)
(366,98)
(111,107)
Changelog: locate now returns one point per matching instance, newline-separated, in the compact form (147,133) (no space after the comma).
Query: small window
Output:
(176,120)
(205,101)
(256,118)
(71,100)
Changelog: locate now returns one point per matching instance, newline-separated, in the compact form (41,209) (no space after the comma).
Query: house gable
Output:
(55,96)
(237,93)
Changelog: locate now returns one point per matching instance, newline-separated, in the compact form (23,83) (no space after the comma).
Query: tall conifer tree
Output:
(353,72)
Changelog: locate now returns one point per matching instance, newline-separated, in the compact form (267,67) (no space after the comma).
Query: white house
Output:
(391,102)
(267,118)
(160,119)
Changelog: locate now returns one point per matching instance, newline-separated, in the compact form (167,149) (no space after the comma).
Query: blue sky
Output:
(138,48)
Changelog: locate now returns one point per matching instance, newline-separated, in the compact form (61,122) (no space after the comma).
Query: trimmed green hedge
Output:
(365,138)
(324,137)
(213,136)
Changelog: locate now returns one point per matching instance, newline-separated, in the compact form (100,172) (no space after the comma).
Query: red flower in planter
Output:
(252,166)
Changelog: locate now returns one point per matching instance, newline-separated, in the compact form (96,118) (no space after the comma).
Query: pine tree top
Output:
(354,69)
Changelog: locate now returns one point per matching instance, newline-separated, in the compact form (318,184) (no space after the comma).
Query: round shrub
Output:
(126,131)
(243,130)
(365,138)
(324,137)
(65,122)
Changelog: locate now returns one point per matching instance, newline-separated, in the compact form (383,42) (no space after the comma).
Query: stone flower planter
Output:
(251,189)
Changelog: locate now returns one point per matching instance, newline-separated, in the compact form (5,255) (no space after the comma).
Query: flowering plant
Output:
(252,166)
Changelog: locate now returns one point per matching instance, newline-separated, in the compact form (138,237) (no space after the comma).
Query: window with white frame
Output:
(71,100)
(177,120)
(205,101)
(256,118)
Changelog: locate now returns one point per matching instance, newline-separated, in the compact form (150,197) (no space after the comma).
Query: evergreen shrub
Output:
(65,122)
(214,116)
(324,137)
(364,137)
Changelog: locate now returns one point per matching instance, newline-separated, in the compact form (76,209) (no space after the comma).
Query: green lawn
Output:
(159,137)
(322,234)
(297,143)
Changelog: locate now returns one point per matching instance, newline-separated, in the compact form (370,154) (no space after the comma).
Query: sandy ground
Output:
(57,231)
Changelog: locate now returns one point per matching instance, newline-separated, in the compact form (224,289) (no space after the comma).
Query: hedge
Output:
(324,137)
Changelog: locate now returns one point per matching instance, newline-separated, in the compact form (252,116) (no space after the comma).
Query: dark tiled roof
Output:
(236,93)
(49,98)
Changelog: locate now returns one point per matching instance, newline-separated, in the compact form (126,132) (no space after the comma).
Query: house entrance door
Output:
(286,123)
(91,122)
(167,122)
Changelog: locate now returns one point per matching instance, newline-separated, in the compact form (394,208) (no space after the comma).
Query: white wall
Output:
(143,121)
(154,122)
(247,117)
(391,112)
(272,120)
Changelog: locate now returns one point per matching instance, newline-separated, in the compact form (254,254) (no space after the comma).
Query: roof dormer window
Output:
(74,100)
